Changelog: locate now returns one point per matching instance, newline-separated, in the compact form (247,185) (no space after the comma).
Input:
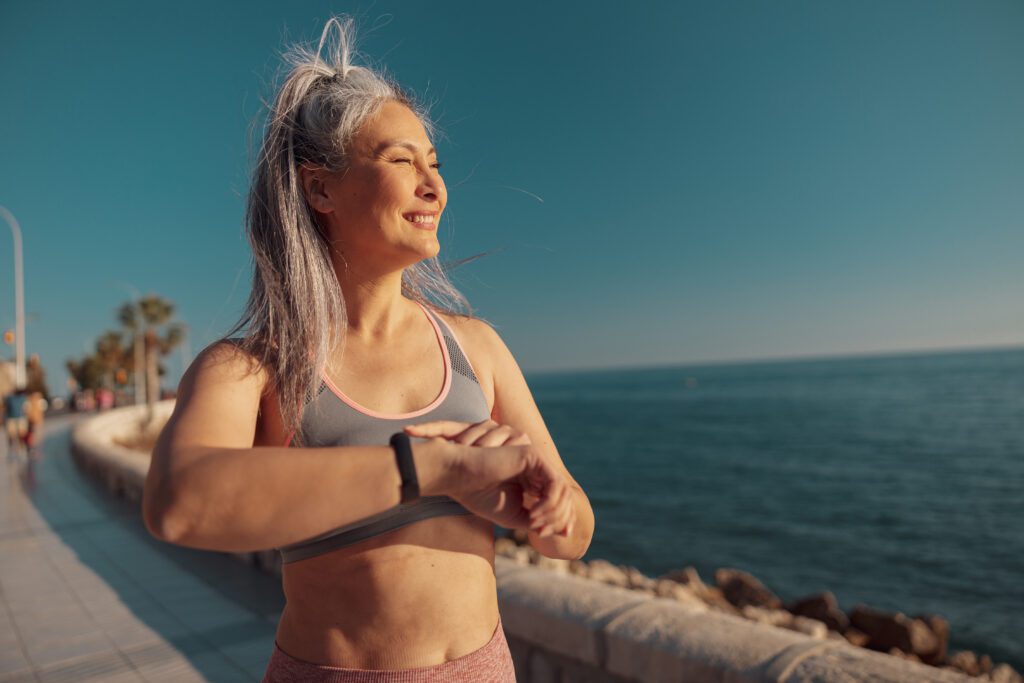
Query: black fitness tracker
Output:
(406,466)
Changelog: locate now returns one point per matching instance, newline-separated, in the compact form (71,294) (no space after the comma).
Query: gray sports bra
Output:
(334,419)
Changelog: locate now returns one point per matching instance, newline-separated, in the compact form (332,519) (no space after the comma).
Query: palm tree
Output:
(150,317)
(112,355)
(36,376)
(87,372)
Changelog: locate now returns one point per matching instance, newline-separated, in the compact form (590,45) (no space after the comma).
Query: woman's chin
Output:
(428,250)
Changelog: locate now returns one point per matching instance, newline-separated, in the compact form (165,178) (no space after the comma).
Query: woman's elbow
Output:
(162,519)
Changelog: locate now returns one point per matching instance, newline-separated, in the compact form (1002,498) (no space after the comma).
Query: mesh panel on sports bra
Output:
(459,362)
(310,397)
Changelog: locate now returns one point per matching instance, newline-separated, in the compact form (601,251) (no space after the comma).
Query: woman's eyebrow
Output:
(411,146)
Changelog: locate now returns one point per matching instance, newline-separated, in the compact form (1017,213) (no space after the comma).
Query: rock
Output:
(774,617)
(856,637)
(1004,673)
(812,627)
(824,608)
(555,565)
(579,568)
(940,628)
(665,588)
(896,652)
(965,661)
(688,576)
(504,547)
(886,631)
(716,599)
(742,589)
(690,579)
(606,572)
(638,579)
(686,596)
(783,619)
(521,555)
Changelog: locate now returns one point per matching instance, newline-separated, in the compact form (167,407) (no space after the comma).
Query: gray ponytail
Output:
(295,315)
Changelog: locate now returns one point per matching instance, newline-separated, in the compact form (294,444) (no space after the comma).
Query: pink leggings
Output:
(492,663)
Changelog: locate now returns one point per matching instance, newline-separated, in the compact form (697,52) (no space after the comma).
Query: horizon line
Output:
(768,360)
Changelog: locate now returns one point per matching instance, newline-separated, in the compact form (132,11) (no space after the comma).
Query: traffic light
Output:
(9,337)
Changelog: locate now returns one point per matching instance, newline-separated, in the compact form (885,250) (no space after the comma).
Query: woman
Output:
(35,413)
(343,355)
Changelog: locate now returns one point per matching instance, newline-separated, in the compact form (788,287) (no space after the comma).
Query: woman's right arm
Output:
(208,487)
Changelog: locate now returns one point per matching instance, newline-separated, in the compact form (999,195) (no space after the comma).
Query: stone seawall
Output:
(564,628)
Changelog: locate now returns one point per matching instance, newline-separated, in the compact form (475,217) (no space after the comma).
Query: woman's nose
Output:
(431,186)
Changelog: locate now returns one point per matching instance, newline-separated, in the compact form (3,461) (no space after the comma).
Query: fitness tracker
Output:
(406,466)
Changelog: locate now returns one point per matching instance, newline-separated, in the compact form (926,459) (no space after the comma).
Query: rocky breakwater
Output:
(921,638)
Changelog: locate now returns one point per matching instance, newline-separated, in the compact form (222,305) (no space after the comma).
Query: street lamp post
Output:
(19,301)
(140,353)
(140,357)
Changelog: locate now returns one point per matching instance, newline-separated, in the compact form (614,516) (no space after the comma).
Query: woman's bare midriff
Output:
(420,595)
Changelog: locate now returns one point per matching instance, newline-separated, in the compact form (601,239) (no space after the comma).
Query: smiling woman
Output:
(361,424)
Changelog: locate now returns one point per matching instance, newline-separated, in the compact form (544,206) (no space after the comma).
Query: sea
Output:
(892,481)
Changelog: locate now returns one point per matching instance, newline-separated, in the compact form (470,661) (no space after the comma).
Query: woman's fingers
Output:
(523,439)
(487,433)
(550,501)
(483,434)
(447,429)
(567,514)
(570,519)
(553,515)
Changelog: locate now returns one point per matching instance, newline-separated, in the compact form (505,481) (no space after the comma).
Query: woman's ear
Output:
(314,189)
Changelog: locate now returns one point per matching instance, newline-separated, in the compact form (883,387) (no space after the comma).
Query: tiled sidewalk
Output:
(86,594)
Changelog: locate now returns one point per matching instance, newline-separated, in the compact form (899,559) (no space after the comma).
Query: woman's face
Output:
(386,206)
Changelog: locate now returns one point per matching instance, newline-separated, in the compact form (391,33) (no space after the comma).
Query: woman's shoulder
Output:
(477,332)
(228,360)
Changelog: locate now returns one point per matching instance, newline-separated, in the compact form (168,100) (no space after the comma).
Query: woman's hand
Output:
(486,433)
(509,483)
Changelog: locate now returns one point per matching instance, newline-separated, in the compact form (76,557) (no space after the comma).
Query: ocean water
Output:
(896,482)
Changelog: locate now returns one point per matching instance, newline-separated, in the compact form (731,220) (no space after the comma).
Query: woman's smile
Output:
(422,219)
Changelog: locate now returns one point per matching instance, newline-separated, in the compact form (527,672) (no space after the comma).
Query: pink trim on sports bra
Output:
(416,413)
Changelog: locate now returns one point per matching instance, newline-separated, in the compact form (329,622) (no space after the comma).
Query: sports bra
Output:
(333,419)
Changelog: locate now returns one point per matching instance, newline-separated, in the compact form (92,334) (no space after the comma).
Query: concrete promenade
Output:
(86,594)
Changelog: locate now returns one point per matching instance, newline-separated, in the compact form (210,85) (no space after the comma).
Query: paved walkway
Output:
(86,594)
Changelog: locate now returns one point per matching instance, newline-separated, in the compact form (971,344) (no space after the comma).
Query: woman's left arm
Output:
(514,406)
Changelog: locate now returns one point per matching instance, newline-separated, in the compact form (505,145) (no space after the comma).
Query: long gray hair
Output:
(295,316)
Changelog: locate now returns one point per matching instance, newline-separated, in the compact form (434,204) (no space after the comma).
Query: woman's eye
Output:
(435,165)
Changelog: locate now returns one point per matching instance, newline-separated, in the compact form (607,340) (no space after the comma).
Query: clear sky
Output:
(668,182)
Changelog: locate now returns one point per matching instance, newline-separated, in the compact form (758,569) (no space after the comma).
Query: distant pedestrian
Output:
(15,421)
(104,399)
(35,410)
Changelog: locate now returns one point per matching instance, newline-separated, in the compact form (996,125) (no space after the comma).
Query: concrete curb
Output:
(121,469)
(563,628)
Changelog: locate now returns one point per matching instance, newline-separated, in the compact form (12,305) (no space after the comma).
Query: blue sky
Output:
(669,182)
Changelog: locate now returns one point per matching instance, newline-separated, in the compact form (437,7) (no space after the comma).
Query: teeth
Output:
(420,218)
